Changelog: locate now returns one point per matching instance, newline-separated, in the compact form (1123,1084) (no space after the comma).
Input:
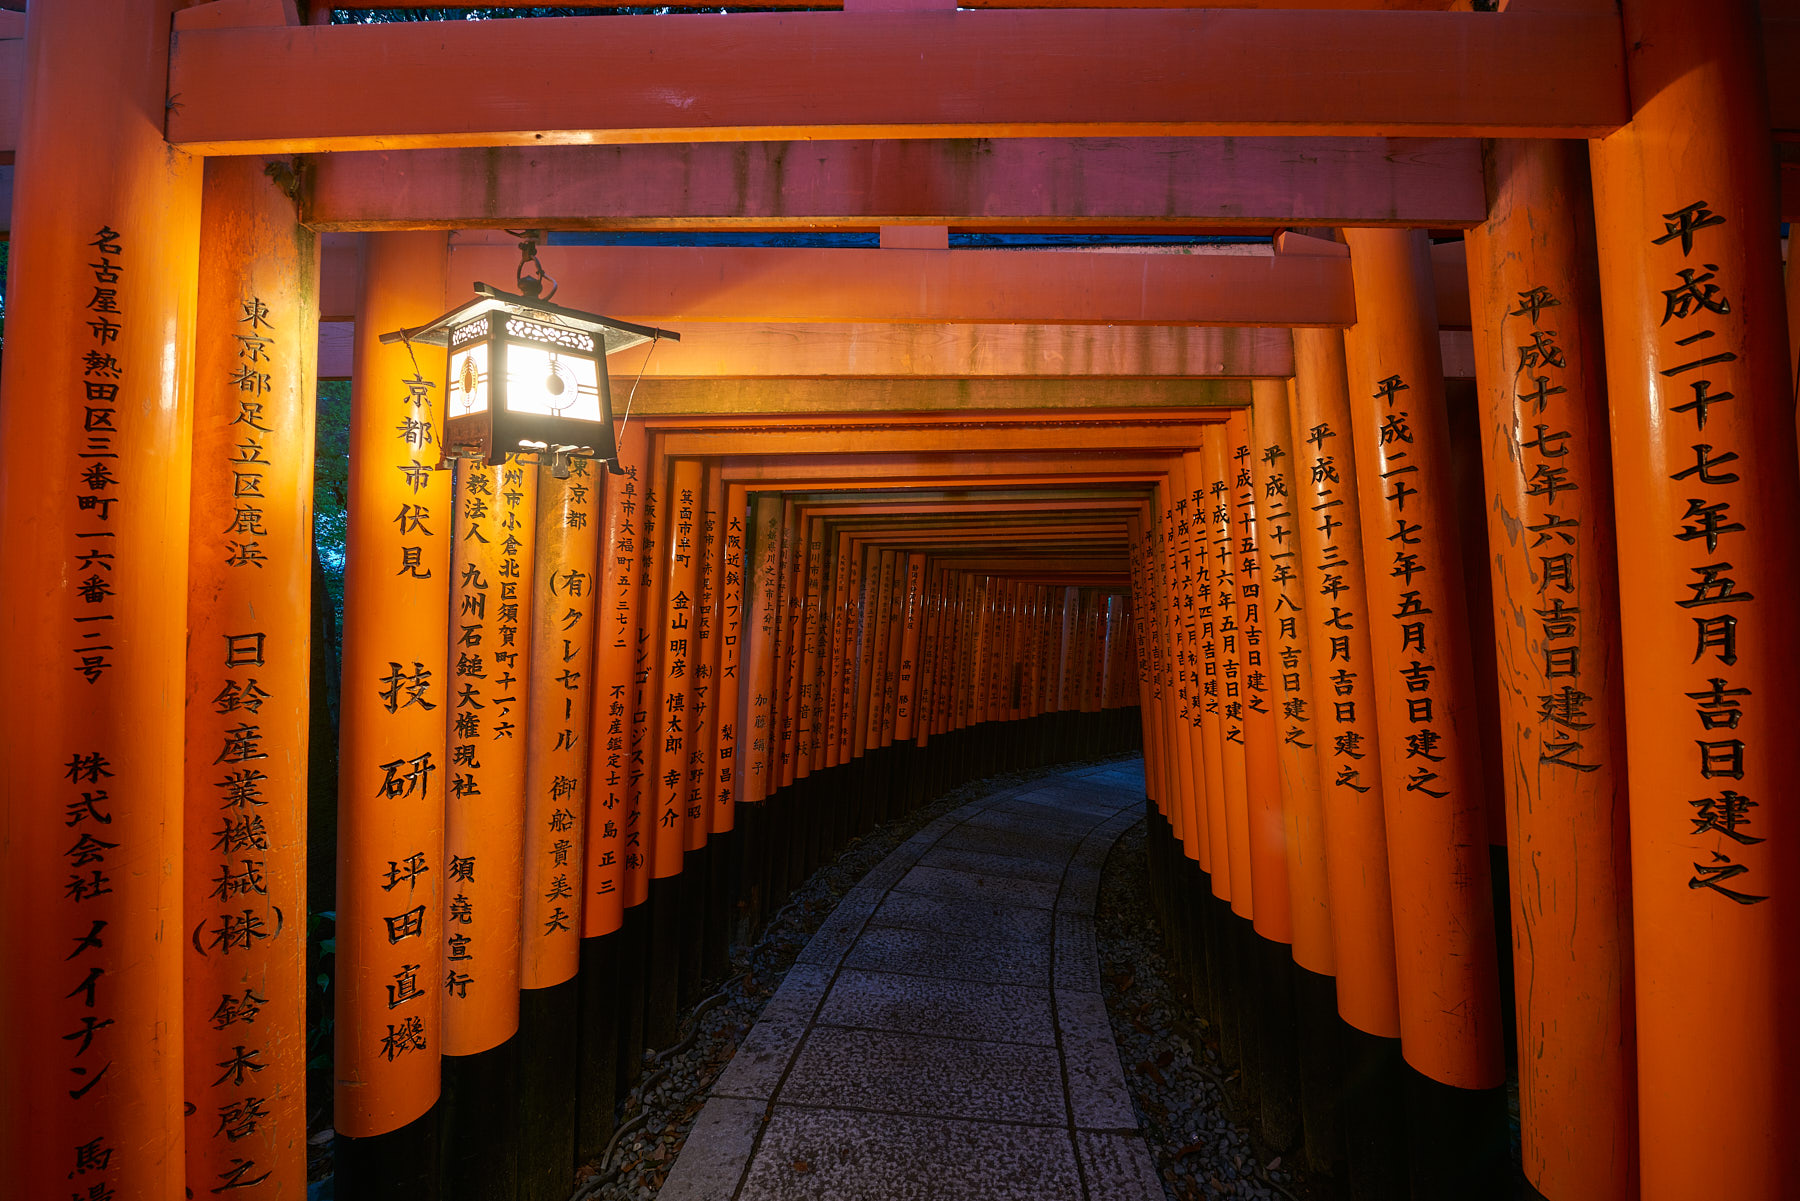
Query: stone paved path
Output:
(943,1035)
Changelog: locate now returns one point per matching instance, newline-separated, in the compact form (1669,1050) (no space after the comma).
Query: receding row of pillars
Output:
(1638,429)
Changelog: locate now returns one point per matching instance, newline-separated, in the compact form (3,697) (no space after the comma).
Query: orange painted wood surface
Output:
(759,629)
(1337,615)
(1262,768)
(926,74)
(685,284)
(727,770)
(1692,309)
(1424,692)
(1021,183)
(1548,496)
(493,527)
(1288,660)
(89,897)
(393,771)
(558,695)
(250,584)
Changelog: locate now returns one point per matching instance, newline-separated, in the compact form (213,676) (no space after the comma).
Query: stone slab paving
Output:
(943,1036)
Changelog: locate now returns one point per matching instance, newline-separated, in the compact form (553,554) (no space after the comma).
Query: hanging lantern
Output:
(526,376)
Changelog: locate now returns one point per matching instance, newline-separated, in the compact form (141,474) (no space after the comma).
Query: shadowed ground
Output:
(943,1035)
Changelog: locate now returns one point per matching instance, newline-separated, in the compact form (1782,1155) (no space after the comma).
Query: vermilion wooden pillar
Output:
(393,770)
(1177,683)
(250,554)
(810,712)
(559,692)
(629,537)
(1267,827)
(1287,656)
(1534,295)
(1337,613)
(609,848)
(491,525)
(1705,486)
(484,814)
(1437,819)
(1222,548)
(724,789)
(94,501)
(1206,672)
(759,627)
(787,659)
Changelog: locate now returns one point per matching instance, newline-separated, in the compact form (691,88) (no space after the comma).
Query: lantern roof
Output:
(613,335)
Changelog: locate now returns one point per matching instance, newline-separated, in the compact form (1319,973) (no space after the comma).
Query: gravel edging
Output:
(645,1157)
(1173,1074)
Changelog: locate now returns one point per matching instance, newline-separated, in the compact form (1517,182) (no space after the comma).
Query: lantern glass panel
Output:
(541,382)
(469,380)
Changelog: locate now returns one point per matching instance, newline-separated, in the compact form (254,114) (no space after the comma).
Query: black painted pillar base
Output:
(634,970)
(546,1091)
(691,961)
(1221,952)
(399,1163)
(1458,1140)
(1321,1074)
(1280,1085)
(752,871)
(721,905)
(1246,991)
(479,1124)
(662,1015)
(1374,1112)
(597,1048)
(780,844)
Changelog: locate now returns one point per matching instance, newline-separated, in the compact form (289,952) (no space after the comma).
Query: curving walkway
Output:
(943,1035)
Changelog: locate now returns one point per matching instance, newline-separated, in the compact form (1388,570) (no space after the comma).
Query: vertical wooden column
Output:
(1336,615)
(760,621)
(787,662)
(492,527)
(630,537)
(684,652)
(1289,664)
(393,739)
(250,543)
(1435,797)
(1705,482)
(485,811)
(731,648)
(559,692)
(610,752)
(1156,768)
(1196,587)
(843,566)
(896,612)
(809,708)
(557,689)
(686,733)
(1228,642)
(1430,749)
(670,612)
(1178,568)
(705,692)
(1267,827)
(1343,669)
(96,425)
(1534,294)
(911,622)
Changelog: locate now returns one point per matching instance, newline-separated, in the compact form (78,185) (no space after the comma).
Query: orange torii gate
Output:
(1673,979)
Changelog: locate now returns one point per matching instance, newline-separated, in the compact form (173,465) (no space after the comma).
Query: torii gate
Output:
(155,425)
